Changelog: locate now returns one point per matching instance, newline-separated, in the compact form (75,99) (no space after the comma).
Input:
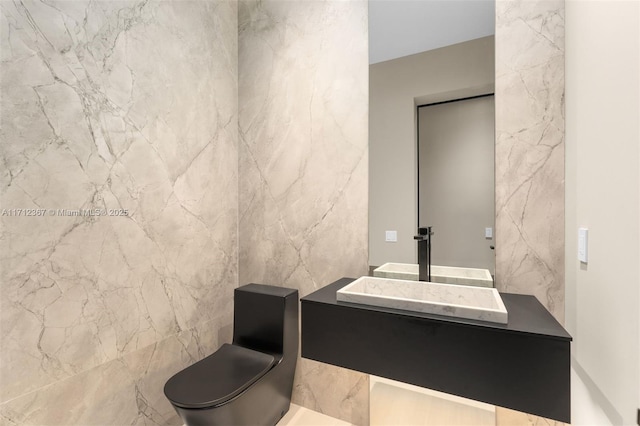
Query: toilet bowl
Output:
(248,382)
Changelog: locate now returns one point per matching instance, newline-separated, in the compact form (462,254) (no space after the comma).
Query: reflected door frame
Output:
(481,119)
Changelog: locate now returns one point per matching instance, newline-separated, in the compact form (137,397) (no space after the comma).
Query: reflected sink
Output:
(478,303)
(439,274)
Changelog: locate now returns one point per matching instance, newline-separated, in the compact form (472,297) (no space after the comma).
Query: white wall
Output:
(452,72)
(603,194)
(585,409)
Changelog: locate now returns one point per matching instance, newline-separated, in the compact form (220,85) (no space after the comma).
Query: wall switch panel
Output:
(391,236)
(488,232)
(583,243)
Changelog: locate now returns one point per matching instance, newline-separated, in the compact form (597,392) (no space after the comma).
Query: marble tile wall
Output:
(119,133)
(303,96)
(132,106)
(530,150)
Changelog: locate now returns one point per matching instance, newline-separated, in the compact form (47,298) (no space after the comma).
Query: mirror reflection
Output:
(431,138)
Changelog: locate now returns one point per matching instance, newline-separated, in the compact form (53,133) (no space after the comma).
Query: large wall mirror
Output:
(431,130)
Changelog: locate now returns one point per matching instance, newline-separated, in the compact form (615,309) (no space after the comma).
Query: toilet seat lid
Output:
(218,377)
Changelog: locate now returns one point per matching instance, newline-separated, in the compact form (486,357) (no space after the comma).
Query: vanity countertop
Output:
(524,365)
(526,313)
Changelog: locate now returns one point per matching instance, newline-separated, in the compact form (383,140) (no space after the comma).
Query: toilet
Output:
(248,382)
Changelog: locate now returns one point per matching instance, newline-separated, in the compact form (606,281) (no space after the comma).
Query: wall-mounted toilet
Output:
(248,382)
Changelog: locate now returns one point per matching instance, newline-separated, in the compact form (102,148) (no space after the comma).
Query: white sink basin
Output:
(458,301)
(439,274)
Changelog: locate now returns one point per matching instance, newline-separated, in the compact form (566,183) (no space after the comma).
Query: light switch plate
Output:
(488,232)
(583,244)
(391,236)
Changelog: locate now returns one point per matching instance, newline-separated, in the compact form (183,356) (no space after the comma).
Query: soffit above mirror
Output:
(399,28)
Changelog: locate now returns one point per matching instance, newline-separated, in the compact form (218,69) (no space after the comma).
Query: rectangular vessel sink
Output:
(478,303)
(439,274)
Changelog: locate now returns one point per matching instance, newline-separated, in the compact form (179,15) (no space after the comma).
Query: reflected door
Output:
(456,180)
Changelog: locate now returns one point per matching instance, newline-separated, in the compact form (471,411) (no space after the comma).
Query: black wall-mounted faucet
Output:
(424,253)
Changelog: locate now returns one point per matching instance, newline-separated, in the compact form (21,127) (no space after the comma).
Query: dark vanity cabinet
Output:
(523,365)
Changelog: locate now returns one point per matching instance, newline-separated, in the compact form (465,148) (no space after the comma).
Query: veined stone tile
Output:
(530,150)
(127,390)
(303,197)
(103,395)
(128,107)
(328,389)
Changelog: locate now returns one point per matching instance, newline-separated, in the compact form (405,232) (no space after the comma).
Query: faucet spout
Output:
(424,253)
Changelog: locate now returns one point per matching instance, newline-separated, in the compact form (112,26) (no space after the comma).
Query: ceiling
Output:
(404,27)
